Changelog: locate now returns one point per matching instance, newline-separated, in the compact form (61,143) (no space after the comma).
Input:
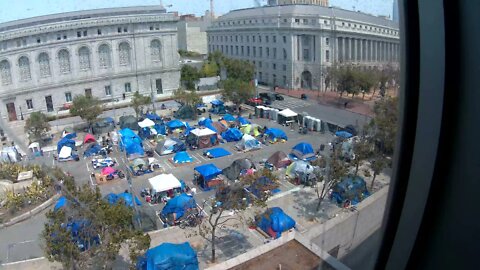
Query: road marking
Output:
(23,261)
(167,164)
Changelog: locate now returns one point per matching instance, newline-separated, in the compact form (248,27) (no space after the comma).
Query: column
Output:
(354,52)
(335,48)
(343,49)
(370,57)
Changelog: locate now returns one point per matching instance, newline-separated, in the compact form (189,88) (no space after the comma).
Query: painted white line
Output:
(256,234)
(167,164)
(26,241)
(23,261)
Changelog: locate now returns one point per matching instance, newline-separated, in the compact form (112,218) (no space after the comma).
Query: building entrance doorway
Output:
(12,113)
(306,82)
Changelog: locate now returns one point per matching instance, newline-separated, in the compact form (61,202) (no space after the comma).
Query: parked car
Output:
(254,101)
(278,97)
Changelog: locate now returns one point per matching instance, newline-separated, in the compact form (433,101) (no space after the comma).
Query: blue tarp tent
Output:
(169,146)
(232,135)
(83,239)
(153,117)
(182,157)
(65,142)
(228,118)
(92,150)
(303,151)
(343,134)
(70,135)
(127,198)
(243,121)
(208,171)
(248,143)
(62,201)
(274,221)
(216,152)
(130,142)
(216,102)
(179,205)
(353,189)
(208,123)
(275,134)
(174,124)
(169,256)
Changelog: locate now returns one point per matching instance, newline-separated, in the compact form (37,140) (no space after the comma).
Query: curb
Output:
(30,213)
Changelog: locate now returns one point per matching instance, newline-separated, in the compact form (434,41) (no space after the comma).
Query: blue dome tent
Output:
(275,134)
(343,134)
(174,124)
(303,151)
(131,143)
(127,198)
(178,206)
(242,121)
(229,118)
(232,135)
(206,173)
(274,222)
(153,117)
(65,142)
(354,189)
(169,256)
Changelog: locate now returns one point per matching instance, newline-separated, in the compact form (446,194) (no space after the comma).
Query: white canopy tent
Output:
(288,113)
(65,152)
(200,132)
(164,182)
(146,123)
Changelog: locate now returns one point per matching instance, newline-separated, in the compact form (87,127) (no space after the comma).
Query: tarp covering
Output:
(65,142)
(343,134)
(161,129)
(243,121)
(108,171)
(248,143)
(130,142)
(219,127)
(233,171)
(275,134)
(65,152)
(353,189)
(279,160)
(127,198)
(216,102)
(200,132)
(169,146)
(62,201)
(303,151)
(164,182)
(146,123)
(92,149)
(232,135)
(275,221)
(299,168)
(89,139)
(128,121)
(229,118)
(153,117)
(288,113)
(216,152)
(175,123)
(178,205)
(169,256)
(208,171)
(182,157)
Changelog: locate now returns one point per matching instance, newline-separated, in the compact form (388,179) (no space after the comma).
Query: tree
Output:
(365,81)
(239,69)
(345,80)
(139,102)
(189,76)
(332,171)
(210,69)
(88,108)
(37,126)
(237,91)
(188,98)
(362,150)
(112,224)
(378,164)
(382,129)
(230,198)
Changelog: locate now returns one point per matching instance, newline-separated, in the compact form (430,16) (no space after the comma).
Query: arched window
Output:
(64,61)
(24,67)
(156,50)
(44,64)
(124,53)
(84,58)
(5,72)
(104,56)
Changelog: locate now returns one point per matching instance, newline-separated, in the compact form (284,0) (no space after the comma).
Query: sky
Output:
(19,9)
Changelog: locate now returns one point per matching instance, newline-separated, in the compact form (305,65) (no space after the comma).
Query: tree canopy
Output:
(36,126)
(237,91)
(189,76)
(210,69)
(139,102)
(382,129)
(88,108)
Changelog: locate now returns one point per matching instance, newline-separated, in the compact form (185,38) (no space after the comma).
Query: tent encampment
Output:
(182,157)
(128,121)
(232,135)
(299,168)
(92,149)
(202,138)
(238,166)
(65,142)
(169,256)
(251,129)
(175,124)
(261,186)
(279,160)
(164,182)
(178,206)
(274,135)
(108,171)
(153,117)
(127,198)
(205,174)
(89,138)
(248,143)
(286,116)
(242,121)
(274,222)
(169,146)
(146,123)
(303,151)
(131,143)
(351,189)
(216,152)
(229,118)
(219,127)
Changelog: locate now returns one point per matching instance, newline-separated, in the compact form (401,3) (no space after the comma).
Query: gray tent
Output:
(233,171)
(279,160)
(129,121)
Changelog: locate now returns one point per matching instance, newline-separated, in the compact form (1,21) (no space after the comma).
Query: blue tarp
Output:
(353,189)
(169,256)
(274,219)
(70,135)
(179,205)
(249,144)
(109,120)
(65,142)
(153,117)
(83,239)
(161,129)
(182,157)
(228,118)
(216,152)
(276,134)
(62,201)
(303,151)
(232,135)
(92,150)
(130,142)
(127,198)
(255,187)
(343,134)
(208,124)
(208,171)
(216,102)
(243,121)
(144,133)
(174,124)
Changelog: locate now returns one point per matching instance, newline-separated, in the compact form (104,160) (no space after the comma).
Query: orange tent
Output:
(89,139)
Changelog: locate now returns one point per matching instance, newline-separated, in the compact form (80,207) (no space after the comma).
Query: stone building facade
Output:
(106,53)
(292,46)
(295,2)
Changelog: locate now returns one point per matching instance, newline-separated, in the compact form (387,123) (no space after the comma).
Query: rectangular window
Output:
(259,64)
(274,66)
(268,52)
(236,50)
(284,67)
(253,38)
(29,104)
(274,39)
(274,53)
(266,39)
(68,97)
(236,38)
(99,31)
(261,51)
(125,30)
(79,34)
(88,92)
(327,41)
(158,85)
(284,39)
(49,103)
(151,28)
(59,37)
(254,51)
(284,80)
(260,39)
(39,40)
(85,33)
(108,90)
(327,56)
(24,42)
(119,30)
(242,50)
(128,87)
(248,50)
(231,49)
(65,37)
(297,20)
